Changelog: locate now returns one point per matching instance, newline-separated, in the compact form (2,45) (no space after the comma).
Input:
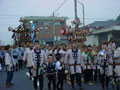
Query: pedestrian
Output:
(103,59)
(38,60)
(75,61)
(21,53)
(51,72)
(96,64)
(9,62)
(26,57)
(15,56)
(0,63)
(88,72)
(2,57)
(60,72)
(87,61)
(116,64)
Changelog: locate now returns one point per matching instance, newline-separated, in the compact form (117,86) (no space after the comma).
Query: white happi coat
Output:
(27,56)
(96,63)
(117,55)
(21,51)
(9,61)
(63,53)
(2,54)
(15,52)
(70,60)
(49,52)
(33,62)
(100,59)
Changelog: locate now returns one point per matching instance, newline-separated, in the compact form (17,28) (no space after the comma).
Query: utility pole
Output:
(83,15)
(83,12)
(75,3)
(53,22)
(39,33)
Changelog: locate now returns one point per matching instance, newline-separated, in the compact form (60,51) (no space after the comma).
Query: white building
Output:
(104,33)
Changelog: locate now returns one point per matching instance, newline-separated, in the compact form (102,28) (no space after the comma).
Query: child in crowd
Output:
(60,73)
(51,72)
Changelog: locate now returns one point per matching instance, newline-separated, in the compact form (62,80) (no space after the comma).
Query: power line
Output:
(92,18)
(1,14)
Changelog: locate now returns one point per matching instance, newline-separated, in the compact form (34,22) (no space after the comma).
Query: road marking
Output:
(27,73)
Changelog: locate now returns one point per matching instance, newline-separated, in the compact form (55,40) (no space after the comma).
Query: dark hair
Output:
(20,45)
(58,56)
(112,40)
(30,42)
(89,46)
(36,41)
(50,56)
(85,47)
(7,47)
(105,43)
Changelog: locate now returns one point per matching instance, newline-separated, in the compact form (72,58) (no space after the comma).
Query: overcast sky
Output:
(12,10)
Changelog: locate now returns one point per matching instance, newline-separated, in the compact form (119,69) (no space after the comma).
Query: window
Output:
(41,28)
(103,37)
(57,23)
(41,23)
(47,23)
(46,30)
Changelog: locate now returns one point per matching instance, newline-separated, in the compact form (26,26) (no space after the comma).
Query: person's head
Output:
(58,56)
(50,47)
(74,45)
(20,45)
(89,48)
(14,46)
(30,44)
(104,46)
(9,49)
(2,48)
(112,40)
(85,48)
(37,45)
(50,58)
(64,48)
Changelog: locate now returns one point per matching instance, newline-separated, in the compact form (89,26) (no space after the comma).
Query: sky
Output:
(12,10)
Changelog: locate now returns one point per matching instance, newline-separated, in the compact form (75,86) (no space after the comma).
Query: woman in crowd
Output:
(10,63)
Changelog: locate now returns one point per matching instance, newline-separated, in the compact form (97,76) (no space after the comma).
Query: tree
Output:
(118,18)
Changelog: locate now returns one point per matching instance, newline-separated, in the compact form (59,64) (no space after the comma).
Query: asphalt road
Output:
(22,82)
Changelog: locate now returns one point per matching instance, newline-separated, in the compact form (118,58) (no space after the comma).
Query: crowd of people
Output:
(58,62)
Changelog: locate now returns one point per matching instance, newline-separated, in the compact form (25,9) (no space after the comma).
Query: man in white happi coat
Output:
(75,61)
(27,58)
(116,63)
(38,61)
(104,59)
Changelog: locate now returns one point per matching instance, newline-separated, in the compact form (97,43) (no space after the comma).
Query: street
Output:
(22,82)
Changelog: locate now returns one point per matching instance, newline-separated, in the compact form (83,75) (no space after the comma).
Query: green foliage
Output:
(118,18)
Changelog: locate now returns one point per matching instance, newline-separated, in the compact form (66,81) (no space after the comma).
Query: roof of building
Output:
(44,18)
(107,29)
(102,24)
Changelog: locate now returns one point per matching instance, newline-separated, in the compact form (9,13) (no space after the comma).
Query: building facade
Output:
(49,28)
(105,31)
